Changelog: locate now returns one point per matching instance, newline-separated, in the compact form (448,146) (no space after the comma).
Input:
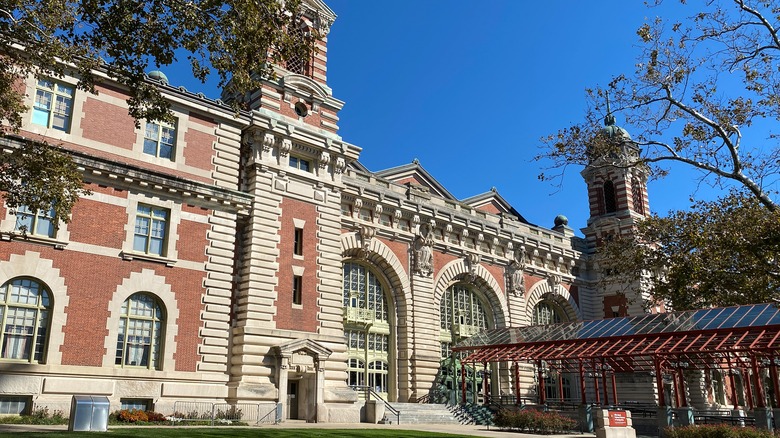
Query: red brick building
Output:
(253,259)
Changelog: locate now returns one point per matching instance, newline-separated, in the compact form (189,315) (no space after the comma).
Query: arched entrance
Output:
(369,328)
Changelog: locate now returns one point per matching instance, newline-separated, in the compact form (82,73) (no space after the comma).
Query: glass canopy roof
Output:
(723,318)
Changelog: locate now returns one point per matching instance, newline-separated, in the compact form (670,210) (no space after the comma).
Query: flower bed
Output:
(534,421)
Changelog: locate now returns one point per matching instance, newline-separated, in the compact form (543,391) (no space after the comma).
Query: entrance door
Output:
(292,400)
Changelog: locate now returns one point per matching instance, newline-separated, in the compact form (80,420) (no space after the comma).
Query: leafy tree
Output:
(239,40)
(720,253)
(701,94)
(698,87)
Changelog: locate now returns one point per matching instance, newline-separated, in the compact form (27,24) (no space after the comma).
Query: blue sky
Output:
(469,87)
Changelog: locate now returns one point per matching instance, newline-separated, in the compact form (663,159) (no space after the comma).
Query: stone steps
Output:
(424,413)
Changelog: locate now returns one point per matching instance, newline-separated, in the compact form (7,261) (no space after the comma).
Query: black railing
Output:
(368,391)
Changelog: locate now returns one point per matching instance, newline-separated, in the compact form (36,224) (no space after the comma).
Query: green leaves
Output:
(40,177)
(720,253)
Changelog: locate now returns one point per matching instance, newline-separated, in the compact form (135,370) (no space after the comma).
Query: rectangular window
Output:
(138,404)
(300,163)
(297,289)
(14,405)
(53,105)
(39,224)
(298,244)
(151,226)
(159,140)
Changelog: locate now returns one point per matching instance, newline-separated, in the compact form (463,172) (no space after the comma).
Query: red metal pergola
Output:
(737,339)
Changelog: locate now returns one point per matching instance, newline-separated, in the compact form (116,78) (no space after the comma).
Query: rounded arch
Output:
(484,283)
(149,282)
(381,260)
(541,291)
(386,263)
(32,265)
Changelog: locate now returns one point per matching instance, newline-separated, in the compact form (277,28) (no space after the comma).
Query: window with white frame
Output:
(53,105)
(37,224)
(300,163)
(24,312)
(151,227)
(159,140)
(15,404)
(139,342)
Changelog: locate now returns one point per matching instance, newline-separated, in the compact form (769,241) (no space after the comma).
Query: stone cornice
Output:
(124,175)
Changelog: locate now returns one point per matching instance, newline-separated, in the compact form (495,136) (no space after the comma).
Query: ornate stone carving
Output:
(366,235)
(423,252)
(472,262)
(516,277)
(554,280)
(324,159)
(340,165)
(285,147)
(269,140)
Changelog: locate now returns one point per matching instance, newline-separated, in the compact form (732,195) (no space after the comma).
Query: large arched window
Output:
(367,328)
(24,312)
(548,312)
(557,386)
(462,315)
(141,323)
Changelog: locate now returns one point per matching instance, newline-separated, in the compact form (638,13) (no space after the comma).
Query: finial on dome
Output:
(609,119)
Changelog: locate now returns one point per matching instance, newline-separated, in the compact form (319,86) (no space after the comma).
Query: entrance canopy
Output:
(728,337)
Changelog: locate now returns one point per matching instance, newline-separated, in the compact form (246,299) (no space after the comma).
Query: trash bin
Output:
(88,413)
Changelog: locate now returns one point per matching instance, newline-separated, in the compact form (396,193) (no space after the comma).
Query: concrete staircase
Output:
(424,413)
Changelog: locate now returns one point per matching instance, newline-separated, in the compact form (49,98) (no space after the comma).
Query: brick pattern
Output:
(290,316)
(114,127)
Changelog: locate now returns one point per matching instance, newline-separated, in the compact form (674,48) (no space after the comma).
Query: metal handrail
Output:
(368,390)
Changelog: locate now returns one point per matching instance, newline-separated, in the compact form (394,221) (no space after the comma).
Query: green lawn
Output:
(197,432)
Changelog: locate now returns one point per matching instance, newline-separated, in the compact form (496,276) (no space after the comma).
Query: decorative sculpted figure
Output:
(423,251)
(517,266)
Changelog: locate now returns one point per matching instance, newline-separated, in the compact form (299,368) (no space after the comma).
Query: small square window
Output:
(159,140)
(53,105)
(300,163)
(297,297)
(39,224)
(151,227)
(298,243)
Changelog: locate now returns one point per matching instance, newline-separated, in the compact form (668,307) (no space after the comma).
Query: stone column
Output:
(284,364)
(426,348)
(319,378)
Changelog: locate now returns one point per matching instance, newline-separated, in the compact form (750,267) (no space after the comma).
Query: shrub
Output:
(716,431)
(137,416)
(534,421)
(37,416)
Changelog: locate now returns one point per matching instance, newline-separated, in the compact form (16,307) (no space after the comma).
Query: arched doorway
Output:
(557,385)
(369,330)
(463,313)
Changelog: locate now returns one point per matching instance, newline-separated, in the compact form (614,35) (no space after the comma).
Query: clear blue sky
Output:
(469,87)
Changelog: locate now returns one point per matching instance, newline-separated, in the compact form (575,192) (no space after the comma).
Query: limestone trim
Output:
(459,270)
(382,257)
(32,265)
(543,290)
(145,281)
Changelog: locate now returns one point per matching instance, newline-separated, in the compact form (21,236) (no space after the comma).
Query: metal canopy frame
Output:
(701,339)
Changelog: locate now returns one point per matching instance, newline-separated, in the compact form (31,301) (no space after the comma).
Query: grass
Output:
(197,432)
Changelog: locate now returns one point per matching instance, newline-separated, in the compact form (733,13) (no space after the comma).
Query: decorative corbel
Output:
(367,234)
(285,147)
(340,165)
(553,281)
(472,261)
(324,160)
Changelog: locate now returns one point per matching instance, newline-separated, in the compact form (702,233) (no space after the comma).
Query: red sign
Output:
(618,419)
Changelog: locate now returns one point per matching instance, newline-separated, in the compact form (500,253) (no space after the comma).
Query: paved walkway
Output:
(404,430)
